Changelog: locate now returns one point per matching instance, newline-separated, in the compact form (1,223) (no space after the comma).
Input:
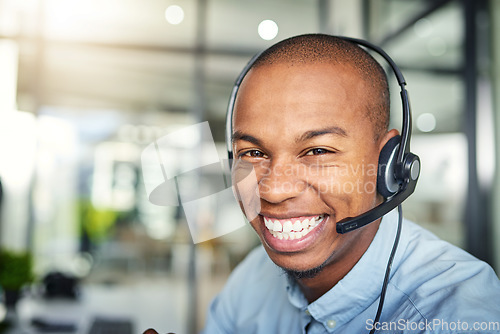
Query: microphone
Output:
(411,170)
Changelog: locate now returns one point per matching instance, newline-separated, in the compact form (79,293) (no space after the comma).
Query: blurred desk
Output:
(146,304)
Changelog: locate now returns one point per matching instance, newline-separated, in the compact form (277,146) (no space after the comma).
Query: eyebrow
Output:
(333,130)
(238,135)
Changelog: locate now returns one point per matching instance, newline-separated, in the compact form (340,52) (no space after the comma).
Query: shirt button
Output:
(331,323)
(307,312)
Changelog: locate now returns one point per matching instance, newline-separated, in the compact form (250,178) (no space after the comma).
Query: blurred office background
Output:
(87,85)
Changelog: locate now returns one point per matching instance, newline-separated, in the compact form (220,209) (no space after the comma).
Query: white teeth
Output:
(269,224)
(297,226)
(291,231)
(305,224)
(287,226)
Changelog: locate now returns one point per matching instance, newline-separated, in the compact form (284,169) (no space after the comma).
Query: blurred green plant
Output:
(16,269)
(97,223)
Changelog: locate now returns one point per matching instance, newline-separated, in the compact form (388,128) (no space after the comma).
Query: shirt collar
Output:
(361,286)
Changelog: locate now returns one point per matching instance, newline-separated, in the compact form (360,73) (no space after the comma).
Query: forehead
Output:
(283,94)
(305,74)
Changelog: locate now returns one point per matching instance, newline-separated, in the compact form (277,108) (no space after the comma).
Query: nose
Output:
(281,182)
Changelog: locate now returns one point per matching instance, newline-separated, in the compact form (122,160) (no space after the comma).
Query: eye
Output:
(252,154)
(318,151)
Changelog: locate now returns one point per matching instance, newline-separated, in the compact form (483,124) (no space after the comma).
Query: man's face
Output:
(304,130)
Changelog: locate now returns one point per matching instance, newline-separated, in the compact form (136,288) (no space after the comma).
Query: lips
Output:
(293,234)
(292,228)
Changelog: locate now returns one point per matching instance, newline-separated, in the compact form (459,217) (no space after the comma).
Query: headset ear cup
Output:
(387,184)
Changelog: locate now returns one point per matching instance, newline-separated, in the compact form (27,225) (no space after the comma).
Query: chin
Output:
(304,274)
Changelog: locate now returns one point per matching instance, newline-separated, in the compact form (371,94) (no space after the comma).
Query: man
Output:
(310,118)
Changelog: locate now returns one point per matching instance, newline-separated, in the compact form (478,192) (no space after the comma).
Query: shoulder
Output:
(437,280)
(256,267)
(254,289)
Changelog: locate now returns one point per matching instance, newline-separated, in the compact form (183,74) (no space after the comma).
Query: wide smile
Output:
(293,234)
(292,228)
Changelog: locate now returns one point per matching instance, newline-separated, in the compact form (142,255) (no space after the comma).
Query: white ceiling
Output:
(122,55)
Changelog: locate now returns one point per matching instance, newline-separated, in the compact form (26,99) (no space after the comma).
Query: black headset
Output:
(398,169)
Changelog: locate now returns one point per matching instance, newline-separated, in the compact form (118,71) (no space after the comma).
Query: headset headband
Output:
(406,167)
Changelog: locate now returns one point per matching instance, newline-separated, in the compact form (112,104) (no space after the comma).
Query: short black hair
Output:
(322,48)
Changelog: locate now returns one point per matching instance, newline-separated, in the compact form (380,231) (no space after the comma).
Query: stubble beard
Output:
(301,274)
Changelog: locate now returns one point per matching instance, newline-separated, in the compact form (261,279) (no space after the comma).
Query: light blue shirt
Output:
(434,288)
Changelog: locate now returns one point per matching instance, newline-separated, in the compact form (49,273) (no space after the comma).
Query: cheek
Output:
(345,180)
(349,189)
(245,183)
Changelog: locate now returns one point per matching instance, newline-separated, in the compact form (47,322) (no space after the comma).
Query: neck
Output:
(339,264)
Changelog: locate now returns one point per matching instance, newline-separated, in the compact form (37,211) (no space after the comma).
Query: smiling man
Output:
(305,127)
(310,119)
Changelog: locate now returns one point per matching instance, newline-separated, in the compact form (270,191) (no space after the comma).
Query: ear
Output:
(387,184)
(386,137)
